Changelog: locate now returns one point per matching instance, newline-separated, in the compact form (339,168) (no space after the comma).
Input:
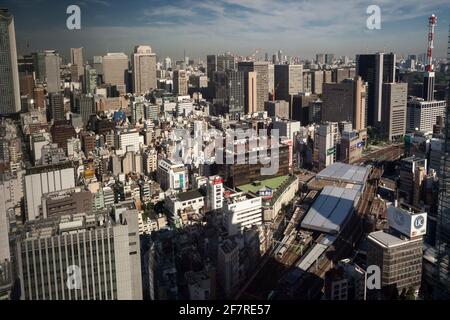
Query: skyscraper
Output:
(115,68)
(104,250)
(144,69)
(98,66)
(288,81)
(9,72)
(393,124)
(76,58)
(84,105)
(225,62)
(375,69)
(320,58)
(442,282)
(180,86)
(47,66)
(220,82)
(90,80)
(345,101)
(262,80)
(329,58)
(56,106)
(236,92)
(211,66)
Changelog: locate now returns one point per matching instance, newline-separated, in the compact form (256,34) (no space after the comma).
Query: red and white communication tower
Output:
(431,26)
(428,81)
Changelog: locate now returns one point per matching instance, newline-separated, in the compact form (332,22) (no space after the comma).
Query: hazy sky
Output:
(297,27)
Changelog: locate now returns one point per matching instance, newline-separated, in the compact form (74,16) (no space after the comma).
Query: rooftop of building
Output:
(342,172)
(190,195)
(388,240)
(331,210)
(271,183)
(49,168)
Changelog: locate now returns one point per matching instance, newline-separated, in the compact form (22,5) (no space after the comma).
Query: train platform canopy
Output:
(347,173)
(331,210)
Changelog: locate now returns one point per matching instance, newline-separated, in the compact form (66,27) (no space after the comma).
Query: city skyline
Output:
(175,27)
(306,176)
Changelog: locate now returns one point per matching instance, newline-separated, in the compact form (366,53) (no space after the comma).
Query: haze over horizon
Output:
(298,28)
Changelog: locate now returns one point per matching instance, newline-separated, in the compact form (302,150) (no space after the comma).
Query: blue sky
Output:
(297,27)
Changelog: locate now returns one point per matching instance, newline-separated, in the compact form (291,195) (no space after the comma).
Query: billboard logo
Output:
(73,22)
(374,20)
(419,222)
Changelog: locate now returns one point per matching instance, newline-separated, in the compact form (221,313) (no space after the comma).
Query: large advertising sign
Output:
(409,224)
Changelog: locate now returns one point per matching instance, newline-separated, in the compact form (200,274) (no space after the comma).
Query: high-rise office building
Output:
(90,80)
(137,108)
(144,69)
(261,68)
(225,62)
(422,115)
(220,85)
(329,58)
(84,105)
(325,143)
(241,211)
(115,68)
(228,267)
(288,81)
(393,124)
(236,92)
(320,58)
(101,253)
(76,58)
(47,66)
(180,82)
(345,101)
(9,72)
(56,106)
(250,87)
(411,173)
(97,63)
(375,69)
(277,108)
(61,132)
(441,273)
(316,81)
(271,69)
(399,259)
(211,66)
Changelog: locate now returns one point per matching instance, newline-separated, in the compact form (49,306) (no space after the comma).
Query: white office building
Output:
(171,175)
(241,211)
(422,115)
(81,257)
(128,140)
(41,180)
